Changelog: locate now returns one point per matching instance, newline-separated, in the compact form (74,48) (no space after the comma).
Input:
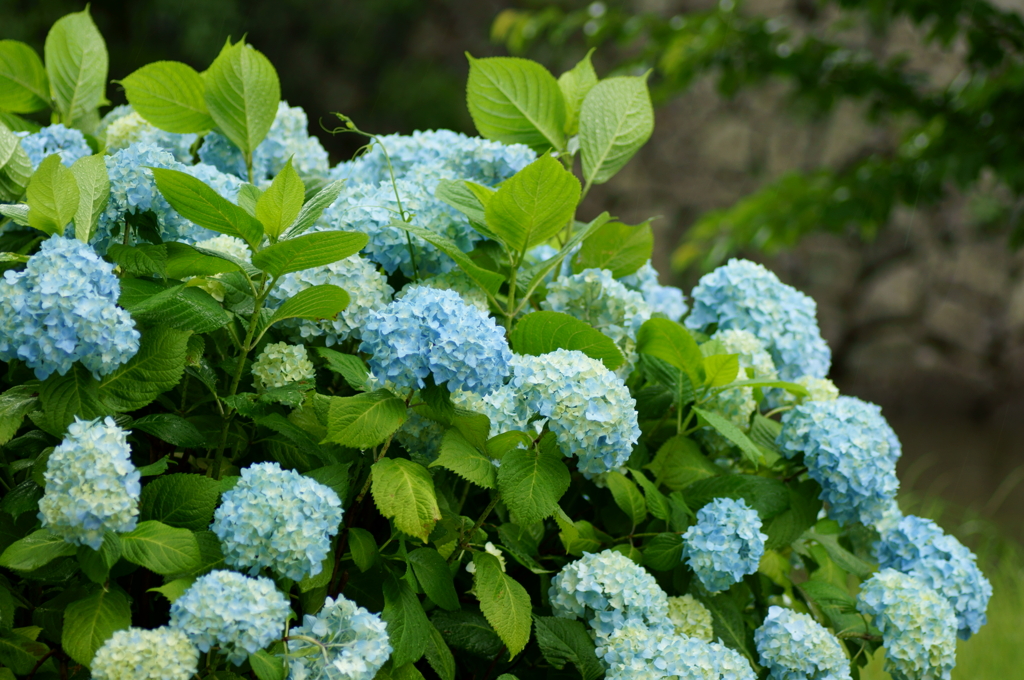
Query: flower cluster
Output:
(690,618)
(454,280)
(122,131)
(138,654)
(62,308)
(638,652)
(432,332)
(918,547)
(367,288)
(288,138)
(225,609)
(850,450)
(277,519)
(506,410)
(793,646)
(725,544)
(667,301)
(280,364)
(746,296)
(607,589)
(67,143)
(353,644)
(918,625)
(818,389)
(91,484)
(590,409)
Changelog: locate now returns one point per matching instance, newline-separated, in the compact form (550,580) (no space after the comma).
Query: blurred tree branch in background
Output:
(945,137)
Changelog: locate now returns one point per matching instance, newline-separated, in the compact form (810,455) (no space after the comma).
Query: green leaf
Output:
(565,641)
(267,667)
(575,84)
(627,496)
(734,434)
(468,631)
(764,431)
(363,547)
(504,602)
(843,558)
(173,429)
(670,342)
(538,333)
(180,306)
(616,119)
(348,366)
(172,590)
(15,404)
(156,368)
(769,497)
(657,503)
(76,61)
(279,205)
(408,627)
(204,206)
(312,250)
(180,500)
(334,476)
(460,195)
(663,552)
(404,491)
(618,247)
(52,196)
(365,420)
(679,463)
(315,207)
(169,95)
(465,460)
(727,622)
(788,526)
(160,548)
(534,204)
(721,369)
(89,622)
(21,499)
(486,279)
(35,550)
(531,482)
(325,301)
(516,101)
(15,167)
(96,564)
(248,196)
(210,555)
(434,577)
(24,87)
(184,261)
(65,396)
(242,94)
(439,656)
(19,653)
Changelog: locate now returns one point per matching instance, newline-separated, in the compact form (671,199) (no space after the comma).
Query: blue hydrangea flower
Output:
(420,437)
(725,544)
(639,652)
(367,288)
(667,301)
(793,646)
(432,332)
(131,128)
(68,143)
(746,296)
(850,450)
(503,406)
(62,308)
(91,484)
(280,364)
(589,408)
(479,160)
(354,643)
(277,519)
(239,614)
(918,547)
(288,138)
(455,280)
(918,625)
(137,654)
(606,589)
(690,618)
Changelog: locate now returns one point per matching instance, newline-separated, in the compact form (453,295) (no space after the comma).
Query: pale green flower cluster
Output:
(280,364)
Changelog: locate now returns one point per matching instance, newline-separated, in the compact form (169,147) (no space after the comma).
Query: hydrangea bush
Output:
(414,415)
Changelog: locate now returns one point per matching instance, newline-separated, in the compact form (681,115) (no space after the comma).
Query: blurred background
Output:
(868,151)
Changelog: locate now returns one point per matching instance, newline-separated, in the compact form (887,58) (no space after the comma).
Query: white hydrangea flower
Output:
(690,617)
(138,654)
(280,364)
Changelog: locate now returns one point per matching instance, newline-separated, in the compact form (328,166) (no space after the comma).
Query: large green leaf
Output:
(516,101)
(769,497)
(727,622)
(404,491)
(531,482)
(325,301)
(74,394)
(180,306)
(315,206)
(76,61)
(52,196)
(364,549)
(365,420)
(485,278)
(266,666)
(15,167)
(533,205)
(459,195)
(670,342)
(439,656)
(627,496)
(24,87)
(575,84)
(538,273)
(538,333)
(504,602)
(564,641)
(184,261)
(170,95)
(180,500)
(161,548)
(279,206)
(19,653)
(734,434)
(93,193)
(618,247)
(408,627)
(311,250)
(679,463)
(173,429)
(434,576)
(89,622)
(465,460)
(468,631)
(35,550)
(15,404)
(242,94)
(156,368)
(616,119)
(204,206)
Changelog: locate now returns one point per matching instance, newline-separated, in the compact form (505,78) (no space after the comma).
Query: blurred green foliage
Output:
(950,136)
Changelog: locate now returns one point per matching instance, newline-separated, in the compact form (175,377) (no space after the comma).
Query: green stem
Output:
(510,306)
(479,523)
